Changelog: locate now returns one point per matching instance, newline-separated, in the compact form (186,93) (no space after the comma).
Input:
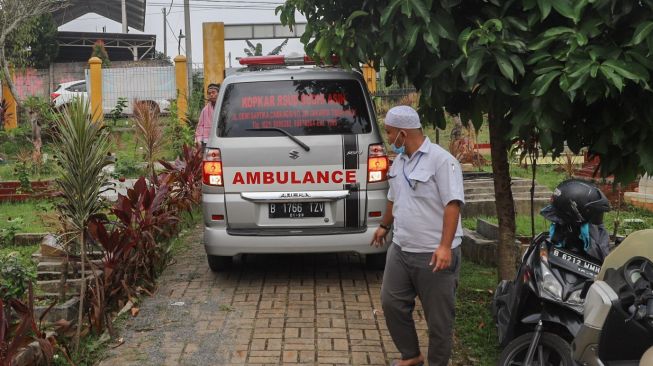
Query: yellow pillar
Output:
(95,65)
(370,77)
(181,76)
(12,110)
(213,37)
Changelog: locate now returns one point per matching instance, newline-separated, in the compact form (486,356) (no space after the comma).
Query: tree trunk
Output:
(36,135)
(504,202)
(82,292)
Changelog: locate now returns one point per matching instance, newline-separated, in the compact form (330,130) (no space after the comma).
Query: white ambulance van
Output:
(295,164)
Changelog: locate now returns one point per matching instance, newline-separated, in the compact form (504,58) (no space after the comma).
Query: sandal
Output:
(395,363)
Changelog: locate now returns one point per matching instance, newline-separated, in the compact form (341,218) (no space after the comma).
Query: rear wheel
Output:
(375,261)
(552,351)
(219,263)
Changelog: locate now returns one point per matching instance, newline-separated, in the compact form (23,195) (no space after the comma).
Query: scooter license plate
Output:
(574,263)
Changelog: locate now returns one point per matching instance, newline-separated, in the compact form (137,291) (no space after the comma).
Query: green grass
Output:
(24,252)
(630,212)
(523,222)
(123,143)
(474,325)
(547,175)
(92,349)
(47,172)
(188,222)
(36,215)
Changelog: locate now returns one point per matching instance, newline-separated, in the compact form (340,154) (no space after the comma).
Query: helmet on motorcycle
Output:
(575,201)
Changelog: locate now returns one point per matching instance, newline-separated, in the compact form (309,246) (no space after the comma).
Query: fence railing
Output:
(152,85)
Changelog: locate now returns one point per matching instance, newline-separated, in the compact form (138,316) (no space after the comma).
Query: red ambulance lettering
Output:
(309,177)
(283,180)
(350,176)
(238,178)
(253,178)
(323,177)
(333,177)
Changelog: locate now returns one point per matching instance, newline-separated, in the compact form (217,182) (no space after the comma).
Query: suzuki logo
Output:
(294,154)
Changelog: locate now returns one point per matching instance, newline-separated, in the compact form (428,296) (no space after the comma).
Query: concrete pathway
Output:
(266,310)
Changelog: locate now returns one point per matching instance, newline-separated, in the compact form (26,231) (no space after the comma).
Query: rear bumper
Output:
(217,241)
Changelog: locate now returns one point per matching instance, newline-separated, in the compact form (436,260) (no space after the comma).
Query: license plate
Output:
(295,210)
(574,263)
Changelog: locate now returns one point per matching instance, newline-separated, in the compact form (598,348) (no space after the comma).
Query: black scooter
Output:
(539,312)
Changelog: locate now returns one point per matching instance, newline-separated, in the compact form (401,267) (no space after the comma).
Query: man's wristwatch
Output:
(386,227)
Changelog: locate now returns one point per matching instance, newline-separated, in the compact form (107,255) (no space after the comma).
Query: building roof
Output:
(107,9)
(78,46)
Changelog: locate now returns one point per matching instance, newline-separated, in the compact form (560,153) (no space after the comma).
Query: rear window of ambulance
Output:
(300,107)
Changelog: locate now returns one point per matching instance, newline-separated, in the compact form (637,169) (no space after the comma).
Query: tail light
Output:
(54,95)
(212,168)
(377,164)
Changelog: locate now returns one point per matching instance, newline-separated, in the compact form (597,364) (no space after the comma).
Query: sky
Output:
(227,11)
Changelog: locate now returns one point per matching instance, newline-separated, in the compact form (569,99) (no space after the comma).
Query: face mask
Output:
(398,149)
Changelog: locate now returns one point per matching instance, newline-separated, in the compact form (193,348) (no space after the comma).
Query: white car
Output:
(66,93)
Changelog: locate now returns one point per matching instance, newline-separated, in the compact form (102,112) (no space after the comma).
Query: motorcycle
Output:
(618,314)
(539,313)
(541,310)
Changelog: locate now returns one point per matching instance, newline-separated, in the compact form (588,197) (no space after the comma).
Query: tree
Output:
(34,44)
(14,15)
(549,71)
(100,52)
(257,50)
(158,55)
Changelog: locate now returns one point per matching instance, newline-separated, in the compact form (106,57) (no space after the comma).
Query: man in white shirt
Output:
(424,201)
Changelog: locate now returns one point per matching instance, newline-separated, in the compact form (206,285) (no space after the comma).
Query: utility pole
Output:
(189,53)
(124,16)
(165,33)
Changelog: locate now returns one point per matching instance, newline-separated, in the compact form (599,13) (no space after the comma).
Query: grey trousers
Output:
(406,276)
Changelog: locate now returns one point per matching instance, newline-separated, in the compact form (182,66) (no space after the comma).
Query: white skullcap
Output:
(402,116)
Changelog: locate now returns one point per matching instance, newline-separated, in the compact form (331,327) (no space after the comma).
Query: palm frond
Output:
(81,148)
(277,50)
(149,133)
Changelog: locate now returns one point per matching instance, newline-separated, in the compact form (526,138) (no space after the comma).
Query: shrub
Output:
(184,177)
(15,277)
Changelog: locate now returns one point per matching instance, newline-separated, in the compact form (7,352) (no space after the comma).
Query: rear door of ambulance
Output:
(292,157)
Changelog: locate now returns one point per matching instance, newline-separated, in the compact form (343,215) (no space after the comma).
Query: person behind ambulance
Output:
(203,128)
(423,260)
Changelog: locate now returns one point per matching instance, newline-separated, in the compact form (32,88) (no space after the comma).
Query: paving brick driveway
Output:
(268,309)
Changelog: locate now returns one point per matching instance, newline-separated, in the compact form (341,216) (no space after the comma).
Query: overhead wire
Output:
(210,6)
